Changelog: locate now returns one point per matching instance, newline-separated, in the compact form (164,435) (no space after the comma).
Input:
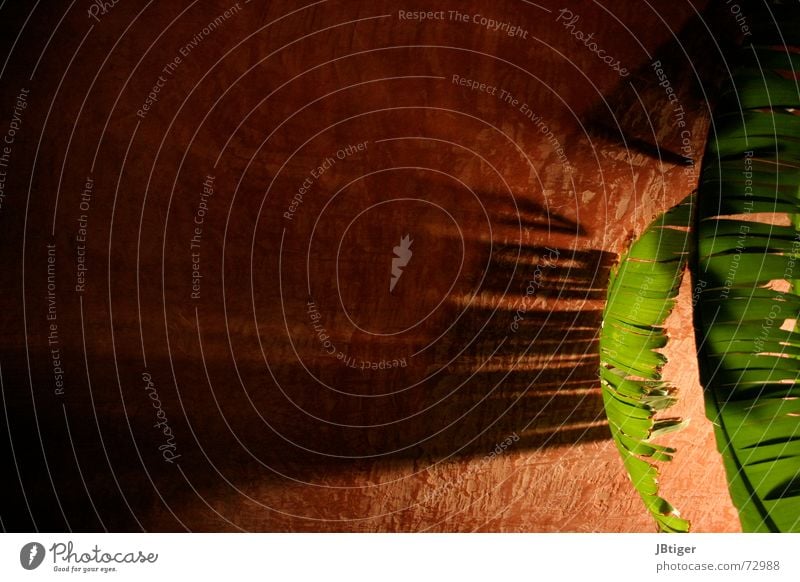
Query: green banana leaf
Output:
(746,265)
(641,295)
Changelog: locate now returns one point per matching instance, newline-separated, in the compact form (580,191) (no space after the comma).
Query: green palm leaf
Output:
(747,263)
(642,291)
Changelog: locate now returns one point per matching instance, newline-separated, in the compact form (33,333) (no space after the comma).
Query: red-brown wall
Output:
(240,402)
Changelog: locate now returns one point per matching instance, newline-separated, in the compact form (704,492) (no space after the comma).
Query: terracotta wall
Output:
(236,399)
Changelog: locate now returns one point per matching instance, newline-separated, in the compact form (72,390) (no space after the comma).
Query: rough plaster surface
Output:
(275,434)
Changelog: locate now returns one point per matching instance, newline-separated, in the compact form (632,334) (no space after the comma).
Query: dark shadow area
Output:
(529,372)
(525,213)
(649,111)
(522,359)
